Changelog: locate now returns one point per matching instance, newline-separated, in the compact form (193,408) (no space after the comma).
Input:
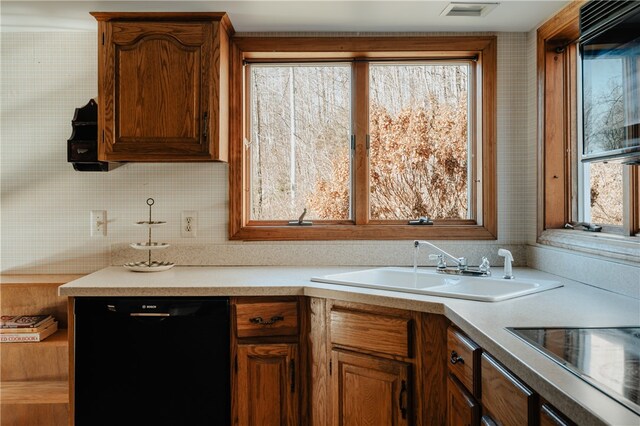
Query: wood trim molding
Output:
(274,48)
(556,118)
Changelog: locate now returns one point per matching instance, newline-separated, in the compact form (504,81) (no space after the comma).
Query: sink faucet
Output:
(460,262)
(508,258)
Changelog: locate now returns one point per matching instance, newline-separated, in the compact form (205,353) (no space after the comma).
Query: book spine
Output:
(7,338)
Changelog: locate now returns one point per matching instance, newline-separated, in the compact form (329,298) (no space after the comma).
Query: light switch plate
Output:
(98,224)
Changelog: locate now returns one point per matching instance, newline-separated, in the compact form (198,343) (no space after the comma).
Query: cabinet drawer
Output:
(508,400)
(267,319)
(463,359)
(371,332)
(550,416)
(462,408)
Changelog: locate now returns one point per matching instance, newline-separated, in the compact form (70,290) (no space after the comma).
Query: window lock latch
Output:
(421,221)
(591,227)
(301,221)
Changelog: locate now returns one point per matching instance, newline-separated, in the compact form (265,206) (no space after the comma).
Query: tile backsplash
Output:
(46,204)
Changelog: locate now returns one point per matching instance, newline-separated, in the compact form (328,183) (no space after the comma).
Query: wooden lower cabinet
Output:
(462,408)
(267,385)
(369,390)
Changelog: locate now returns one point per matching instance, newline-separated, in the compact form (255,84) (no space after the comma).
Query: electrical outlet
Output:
(189,223)
(98,223)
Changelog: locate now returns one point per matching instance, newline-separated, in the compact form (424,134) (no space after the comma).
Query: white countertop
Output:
(574,305)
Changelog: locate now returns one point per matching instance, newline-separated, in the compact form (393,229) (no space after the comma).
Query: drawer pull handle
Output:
(259,320)
(455,358)
(403,399)
(292,372)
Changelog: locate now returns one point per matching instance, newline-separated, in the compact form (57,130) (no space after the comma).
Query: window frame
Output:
(558,147)
(298,49)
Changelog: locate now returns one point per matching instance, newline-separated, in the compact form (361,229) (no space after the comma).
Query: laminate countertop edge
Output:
(573,305)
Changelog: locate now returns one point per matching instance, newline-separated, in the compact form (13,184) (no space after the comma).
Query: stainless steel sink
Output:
(429,282)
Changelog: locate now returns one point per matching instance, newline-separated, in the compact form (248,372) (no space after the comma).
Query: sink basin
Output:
(401,279)
(492,289)
(484,289)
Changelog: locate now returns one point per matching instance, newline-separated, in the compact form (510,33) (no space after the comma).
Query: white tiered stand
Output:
(149,265)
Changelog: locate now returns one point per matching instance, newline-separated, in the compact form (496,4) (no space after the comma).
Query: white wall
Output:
(45,204)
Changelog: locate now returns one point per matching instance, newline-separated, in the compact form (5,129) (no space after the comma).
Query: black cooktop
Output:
(606,358)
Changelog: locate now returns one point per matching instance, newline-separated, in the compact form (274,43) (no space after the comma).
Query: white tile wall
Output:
(45,205)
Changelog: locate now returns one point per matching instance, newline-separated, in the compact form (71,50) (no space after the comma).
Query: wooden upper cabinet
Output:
(163,86)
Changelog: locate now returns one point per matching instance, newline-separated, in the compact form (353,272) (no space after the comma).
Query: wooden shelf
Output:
(34,376)
(35,392)
(57,339)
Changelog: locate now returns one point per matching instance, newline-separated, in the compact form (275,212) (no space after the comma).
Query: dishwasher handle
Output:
(150,314)
(152,308)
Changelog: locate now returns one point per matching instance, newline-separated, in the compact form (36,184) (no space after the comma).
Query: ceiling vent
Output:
(468,9)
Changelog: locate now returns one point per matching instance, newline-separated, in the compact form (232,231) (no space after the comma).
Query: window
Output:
(606,194)
(365,135)
(420,158)
(299,149)
(600,198)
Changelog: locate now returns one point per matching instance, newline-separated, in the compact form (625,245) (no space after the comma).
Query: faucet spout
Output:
(460,262)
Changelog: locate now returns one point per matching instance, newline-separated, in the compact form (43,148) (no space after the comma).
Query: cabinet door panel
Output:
(158,87)
(267,386)
(369,391)
(509,401)
(148,72)
(462,408)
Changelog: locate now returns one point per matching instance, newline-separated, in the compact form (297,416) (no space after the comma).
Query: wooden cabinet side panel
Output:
(106,79)
(318,363)
(432,352)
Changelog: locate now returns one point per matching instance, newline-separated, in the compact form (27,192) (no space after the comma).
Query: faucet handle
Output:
(440,258)
(485,267)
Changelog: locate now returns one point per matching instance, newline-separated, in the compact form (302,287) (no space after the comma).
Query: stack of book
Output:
(26,328)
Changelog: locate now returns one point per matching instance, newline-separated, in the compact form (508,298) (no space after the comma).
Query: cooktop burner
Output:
(606,358)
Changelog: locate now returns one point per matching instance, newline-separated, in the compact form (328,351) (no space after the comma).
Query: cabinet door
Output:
(155,79)
(369,390)
(267,386)
(505,398)
(462,408)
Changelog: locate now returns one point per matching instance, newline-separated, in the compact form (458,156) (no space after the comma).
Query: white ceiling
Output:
(307,15)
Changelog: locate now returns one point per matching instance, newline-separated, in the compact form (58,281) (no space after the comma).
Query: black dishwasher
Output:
(152,361)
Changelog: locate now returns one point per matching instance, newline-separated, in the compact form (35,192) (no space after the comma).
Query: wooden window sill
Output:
(362,232)
(612,246)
